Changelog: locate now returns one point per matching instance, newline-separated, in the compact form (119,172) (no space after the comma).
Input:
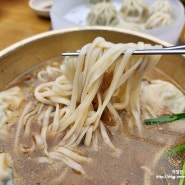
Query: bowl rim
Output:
(42,35)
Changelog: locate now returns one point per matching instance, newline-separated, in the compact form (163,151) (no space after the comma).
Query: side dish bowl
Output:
(41,7)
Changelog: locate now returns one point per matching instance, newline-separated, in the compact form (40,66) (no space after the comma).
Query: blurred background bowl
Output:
(41,7)
(73,13)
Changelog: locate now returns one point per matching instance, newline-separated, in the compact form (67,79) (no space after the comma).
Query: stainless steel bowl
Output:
(27,53)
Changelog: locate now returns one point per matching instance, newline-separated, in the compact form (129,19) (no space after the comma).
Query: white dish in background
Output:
(41,7)
(72,13)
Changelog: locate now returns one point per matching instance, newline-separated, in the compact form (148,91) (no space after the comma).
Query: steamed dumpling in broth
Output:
(103,14)
(134,10)
(164,96)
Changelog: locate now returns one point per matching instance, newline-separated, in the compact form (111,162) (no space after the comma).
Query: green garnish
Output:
(181,181)
(175,150)
(164,119)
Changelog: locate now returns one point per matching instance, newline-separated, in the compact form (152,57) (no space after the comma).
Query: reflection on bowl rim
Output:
(23,42)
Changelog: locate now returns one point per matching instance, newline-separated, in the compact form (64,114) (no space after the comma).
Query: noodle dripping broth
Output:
(79,120)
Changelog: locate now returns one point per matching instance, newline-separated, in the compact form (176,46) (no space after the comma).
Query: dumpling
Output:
(134,10)
(161,6)
(160,97)
(131,26)
(93,2)
(161,14)
(103,14)
(158,19)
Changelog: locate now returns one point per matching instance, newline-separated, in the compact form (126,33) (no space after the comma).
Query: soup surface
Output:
(139,159)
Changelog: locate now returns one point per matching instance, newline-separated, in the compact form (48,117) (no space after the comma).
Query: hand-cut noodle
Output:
(103,14)
(46,75)
(10,100)
(134,10)
(70,108)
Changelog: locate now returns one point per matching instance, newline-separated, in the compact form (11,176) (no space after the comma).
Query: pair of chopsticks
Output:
(166,50)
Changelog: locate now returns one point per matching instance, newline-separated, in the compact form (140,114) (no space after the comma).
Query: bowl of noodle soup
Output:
(80,120)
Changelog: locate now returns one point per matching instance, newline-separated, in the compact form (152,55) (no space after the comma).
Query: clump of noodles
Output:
(49,74)
(93,2)
(100,83)
(10,100)
(103,14)
(134,10)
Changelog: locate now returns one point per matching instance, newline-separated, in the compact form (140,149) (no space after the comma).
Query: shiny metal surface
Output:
(27,53)
(165,50)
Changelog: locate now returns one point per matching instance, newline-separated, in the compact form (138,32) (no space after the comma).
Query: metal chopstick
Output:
(166,50)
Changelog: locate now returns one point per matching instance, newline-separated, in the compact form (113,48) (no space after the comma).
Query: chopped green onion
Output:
(165,119)
(181,181)
(175,150)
